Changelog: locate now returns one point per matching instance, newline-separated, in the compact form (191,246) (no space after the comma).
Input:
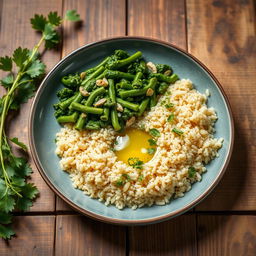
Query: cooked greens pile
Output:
(114,92)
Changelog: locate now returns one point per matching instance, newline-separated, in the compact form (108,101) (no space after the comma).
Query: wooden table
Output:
(222,35)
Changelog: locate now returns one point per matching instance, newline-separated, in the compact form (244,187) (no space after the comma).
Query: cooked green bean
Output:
(80,122)
(68,119)
(114,120)
(124,62)
(105,115)
(111,90)
(153,100)
(128,104)
(91,70)
(163,78)
(93,75)
(86,109)
(143,106)
(119,75)
(64,104)
(138,92)
(93,95)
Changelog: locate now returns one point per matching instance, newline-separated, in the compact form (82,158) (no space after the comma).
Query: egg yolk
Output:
(134,144)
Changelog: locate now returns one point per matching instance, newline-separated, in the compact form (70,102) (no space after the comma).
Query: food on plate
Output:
(129,148)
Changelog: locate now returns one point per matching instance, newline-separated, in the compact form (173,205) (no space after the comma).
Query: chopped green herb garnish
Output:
(123,179)
(154,132)
(126,176)
(116,142)
(169,105)
(170,118)
(112,149)
(152,142)
(191,172)
(177,131)
(135,162)
(119,183)
(151,151)
(141,177)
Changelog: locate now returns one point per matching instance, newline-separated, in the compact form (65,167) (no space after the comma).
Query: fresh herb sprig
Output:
(15,191)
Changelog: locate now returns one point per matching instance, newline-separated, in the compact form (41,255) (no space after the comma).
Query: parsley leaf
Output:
(122,180)
(170,118)
(7,203)
(20,144)
(191,172)
(72,15)
(30,191)
(7,81)
(151,151)
(36,69)
(169,105)
(154,132)
(135,162)
(38,22)
(5,218)
(6,63)
(177,131)
(152,142)
(20,56)
(141,177)
(6,232)
(54,18)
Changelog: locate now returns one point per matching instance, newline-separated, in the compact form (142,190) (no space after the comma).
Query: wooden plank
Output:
(174,237)
(222,35)
(101,19)
(78,235)
(35,236)
(16,31)
(162,19)
(226,235)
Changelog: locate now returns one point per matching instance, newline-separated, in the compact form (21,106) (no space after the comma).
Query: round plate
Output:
(43,127)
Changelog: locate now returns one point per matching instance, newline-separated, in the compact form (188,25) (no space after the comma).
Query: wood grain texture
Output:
(78,235)
(222,35)
(226,235)
(35,236)
(101,19)
(162,19)
(173,237)
(16,31)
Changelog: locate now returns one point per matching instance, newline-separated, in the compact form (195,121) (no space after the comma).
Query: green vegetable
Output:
(151,151)
(135,162)
(124,62)
(177,131)
(122,180)
(138,92)
(163,78)
(128,104)
(161,68)
(129,84)
(151,142)
(68,119)
(81,122)
(85,109)
(93,95)
(170,118)
(191,172)
(16,193)
(105,115)
(143,106)
(154,132)
(141,177)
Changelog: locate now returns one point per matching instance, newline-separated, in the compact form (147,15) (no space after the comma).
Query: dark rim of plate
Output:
(115,220)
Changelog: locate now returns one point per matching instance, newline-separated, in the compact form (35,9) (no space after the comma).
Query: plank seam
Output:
(186,24)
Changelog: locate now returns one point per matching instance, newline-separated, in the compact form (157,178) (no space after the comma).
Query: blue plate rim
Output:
(102,218)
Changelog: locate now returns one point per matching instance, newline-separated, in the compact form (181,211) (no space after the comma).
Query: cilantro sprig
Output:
(16,193)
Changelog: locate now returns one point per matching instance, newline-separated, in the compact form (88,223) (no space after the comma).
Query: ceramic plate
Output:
(43,127)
